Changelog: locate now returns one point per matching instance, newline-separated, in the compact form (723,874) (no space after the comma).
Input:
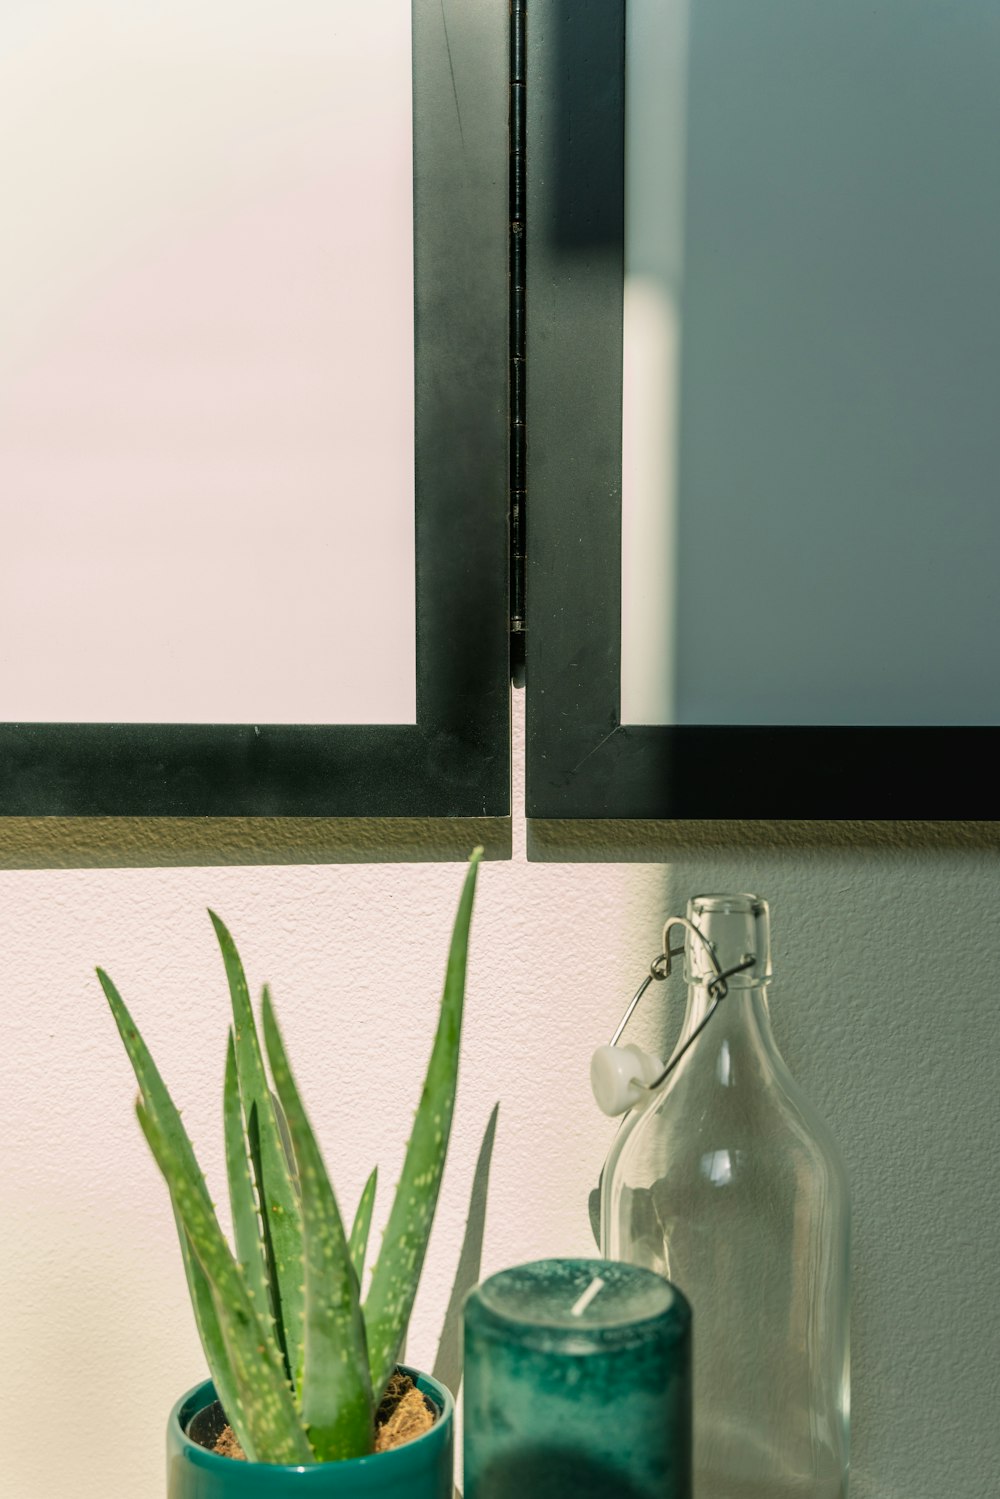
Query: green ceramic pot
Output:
(421,1469)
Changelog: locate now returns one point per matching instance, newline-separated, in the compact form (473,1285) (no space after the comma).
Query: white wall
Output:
(886,948)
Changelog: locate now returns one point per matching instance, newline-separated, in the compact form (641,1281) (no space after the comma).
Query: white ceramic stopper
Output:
(618,1075)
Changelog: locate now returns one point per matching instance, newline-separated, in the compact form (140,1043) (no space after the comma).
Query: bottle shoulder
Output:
(716,1106)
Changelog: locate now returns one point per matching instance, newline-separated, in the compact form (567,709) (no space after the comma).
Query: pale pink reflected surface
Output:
(206,404)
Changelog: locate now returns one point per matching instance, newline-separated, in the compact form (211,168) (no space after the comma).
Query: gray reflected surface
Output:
(833,551)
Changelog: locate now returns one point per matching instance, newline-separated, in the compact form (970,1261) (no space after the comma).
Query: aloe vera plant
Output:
(298,1362)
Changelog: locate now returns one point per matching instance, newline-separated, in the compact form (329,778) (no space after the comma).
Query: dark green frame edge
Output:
(455,762)
(582,762)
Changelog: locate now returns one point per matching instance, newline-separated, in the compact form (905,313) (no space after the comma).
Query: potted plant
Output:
(299,1364)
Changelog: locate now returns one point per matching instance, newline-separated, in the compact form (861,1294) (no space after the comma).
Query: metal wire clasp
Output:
(660,969)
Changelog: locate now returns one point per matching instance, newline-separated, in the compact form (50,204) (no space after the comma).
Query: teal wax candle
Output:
(577,1384)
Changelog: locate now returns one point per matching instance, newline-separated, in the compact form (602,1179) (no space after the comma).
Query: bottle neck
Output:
(729,934)
(739,1030)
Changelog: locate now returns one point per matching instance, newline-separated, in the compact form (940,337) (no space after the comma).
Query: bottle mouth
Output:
(734,928)
(728,905)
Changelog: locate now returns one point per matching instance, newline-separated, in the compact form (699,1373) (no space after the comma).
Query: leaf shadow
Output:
(448,1360)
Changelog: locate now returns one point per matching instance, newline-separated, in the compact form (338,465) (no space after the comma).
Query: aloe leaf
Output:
(394,1279)
(267,1223)
(207,1322)
(286,1139)
(336,1396)
(160,1105)
(276,1192)
(358,1242)
(151,1085)
(246,1221)
(272,1428)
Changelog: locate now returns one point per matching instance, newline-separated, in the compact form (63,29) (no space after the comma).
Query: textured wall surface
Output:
(886,954)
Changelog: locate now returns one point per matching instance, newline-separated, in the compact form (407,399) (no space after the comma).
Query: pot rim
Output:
(203,1393)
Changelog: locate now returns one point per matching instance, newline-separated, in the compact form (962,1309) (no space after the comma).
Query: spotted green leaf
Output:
(336,1392)
(281,1222)
(395,1276)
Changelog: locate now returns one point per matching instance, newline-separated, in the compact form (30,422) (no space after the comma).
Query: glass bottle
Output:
(727,1182)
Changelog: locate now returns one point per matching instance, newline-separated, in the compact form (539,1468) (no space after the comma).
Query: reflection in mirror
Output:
(656,73)
(811,364)
(206,365)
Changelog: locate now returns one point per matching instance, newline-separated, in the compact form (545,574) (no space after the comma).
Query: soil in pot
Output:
(403,1414)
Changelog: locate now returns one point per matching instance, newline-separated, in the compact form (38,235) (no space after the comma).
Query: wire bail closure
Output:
(608,1091)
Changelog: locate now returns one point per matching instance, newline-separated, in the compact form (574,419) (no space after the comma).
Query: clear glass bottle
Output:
(727,1182)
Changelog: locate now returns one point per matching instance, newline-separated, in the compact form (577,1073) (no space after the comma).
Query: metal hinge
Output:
(516,271)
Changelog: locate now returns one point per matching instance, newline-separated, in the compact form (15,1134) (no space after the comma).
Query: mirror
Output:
(253,414)
(762,382)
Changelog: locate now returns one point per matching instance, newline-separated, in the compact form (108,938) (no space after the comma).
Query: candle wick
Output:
(581,1304)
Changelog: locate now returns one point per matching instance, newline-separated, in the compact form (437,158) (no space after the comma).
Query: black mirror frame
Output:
(582,761)
(455,761)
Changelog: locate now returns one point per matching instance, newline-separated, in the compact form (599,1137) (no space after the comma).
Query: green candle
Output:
(577,1384)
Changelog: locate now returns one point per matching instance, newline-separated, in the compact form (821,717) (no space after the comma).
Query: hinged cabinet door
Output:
(763,372)
(253,409)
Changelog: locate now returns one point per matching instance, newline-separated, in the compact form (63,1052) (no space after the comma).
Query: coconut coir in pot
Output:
(403,1414)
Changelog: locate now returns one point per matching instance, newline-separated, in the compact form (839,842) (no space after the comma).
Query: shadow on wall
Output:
(648,841)
(655,1023)
(448,1360)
